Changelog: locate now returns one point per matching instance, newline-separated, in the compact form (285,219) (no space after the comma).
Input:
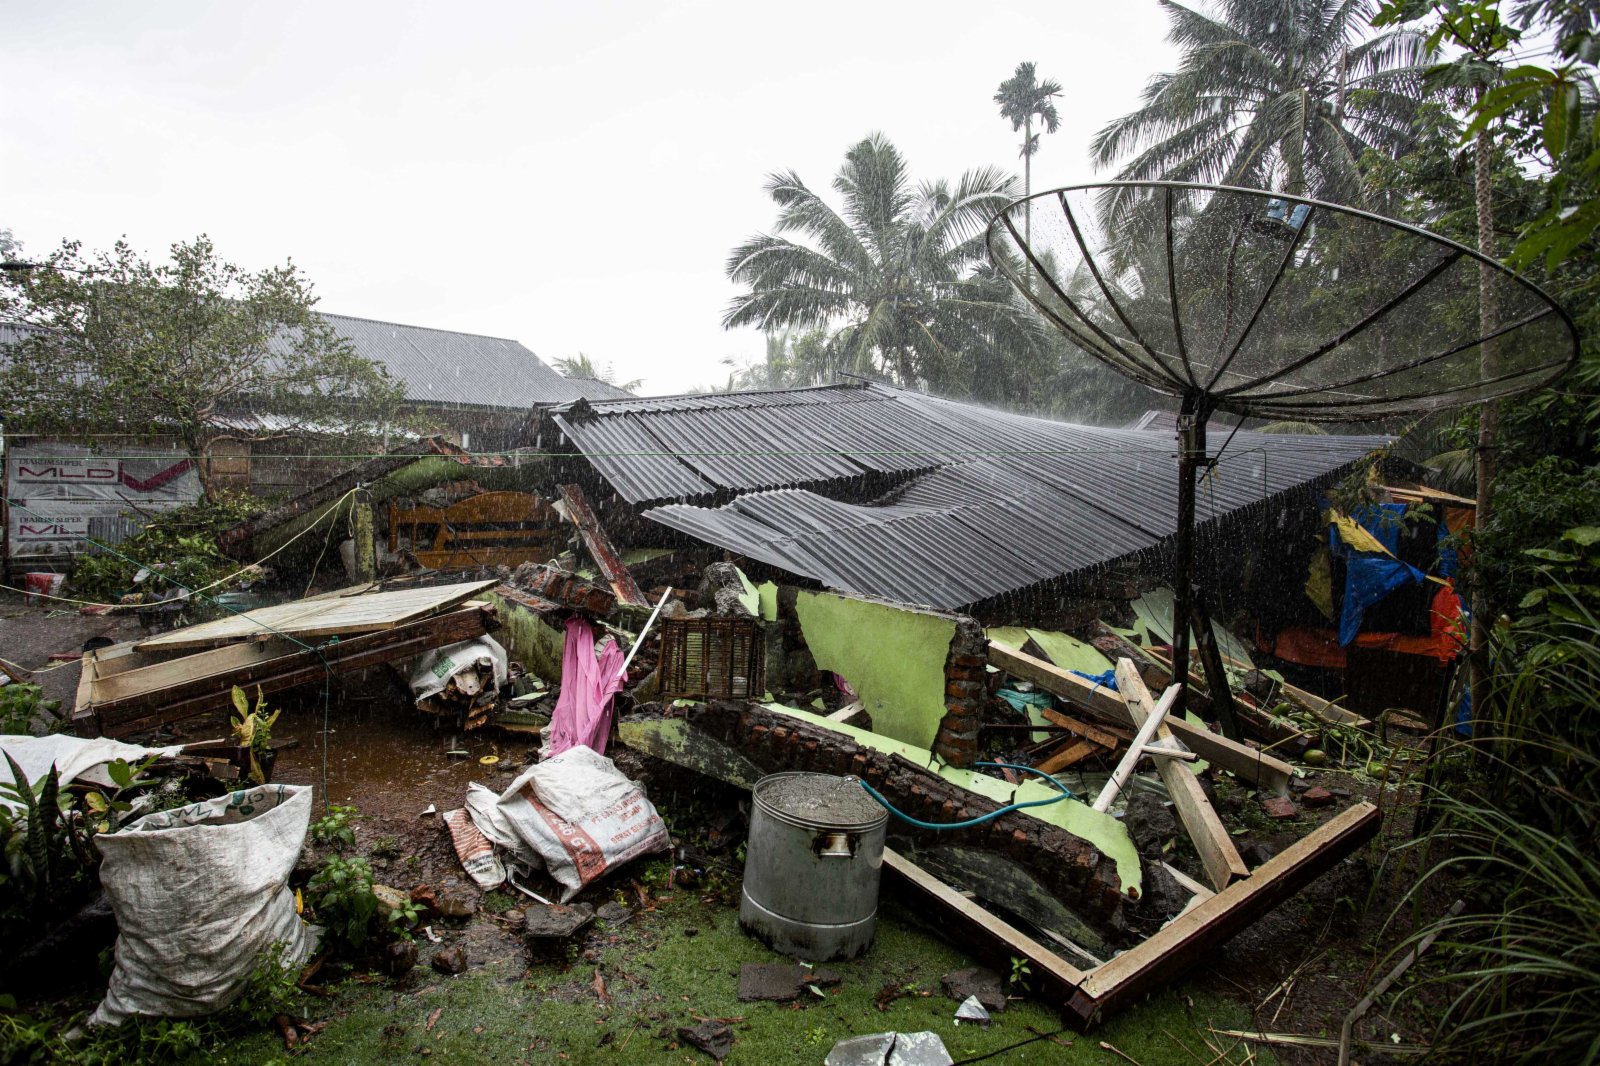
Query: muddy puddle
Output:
(385,757)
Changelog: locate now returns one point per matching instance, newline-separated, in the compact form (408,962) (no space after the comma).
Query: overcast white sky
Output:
(572,175)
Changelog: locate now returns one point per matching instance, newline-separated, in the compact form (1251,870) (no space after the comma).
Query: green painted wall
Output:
(893,658)
(768,593)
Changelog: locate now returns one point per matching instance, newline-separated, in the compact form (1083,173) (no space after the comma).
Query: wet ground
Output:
(31,632)
(617,995)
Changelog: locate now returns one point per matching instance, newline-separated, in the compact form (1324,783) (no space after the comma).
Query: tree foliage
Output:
(1285,95)
(581,366)
(196,347)
(897,275)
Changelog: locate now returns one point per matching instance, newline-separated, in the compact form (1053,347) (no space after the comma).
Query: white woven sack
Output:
(582,816)
(200,894)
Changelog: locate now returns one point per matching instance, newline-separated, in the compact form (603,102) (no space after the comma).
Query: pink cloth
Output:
(583,710)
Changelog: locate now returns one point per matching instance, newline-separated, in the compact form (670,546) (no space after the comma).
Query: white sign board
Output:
(57,491)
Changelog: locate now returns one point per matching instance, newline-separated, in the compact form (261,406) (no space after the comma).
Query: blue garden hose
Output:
(1066,793)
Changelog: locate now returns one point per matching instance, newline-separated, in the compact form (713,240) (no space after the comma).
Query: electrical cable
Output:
(1065,793)
(1011,1047)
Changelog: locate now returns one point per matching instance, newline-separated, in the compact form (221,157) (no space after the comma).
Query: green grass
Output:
(503,1012)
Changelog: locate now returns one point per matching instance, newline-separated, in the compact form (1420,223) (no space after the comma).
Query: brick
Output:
(964,690)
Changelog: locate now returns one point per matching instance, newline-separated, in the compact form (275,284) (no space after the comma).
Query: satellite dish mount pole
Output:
(1192,418)
(1188,610)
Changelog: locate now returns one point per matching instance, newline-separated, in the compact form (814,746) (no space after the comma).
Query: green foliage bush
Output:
(20,704)
(179,547)
(341,895)
(334,829)
(1534,506)
(1521,834)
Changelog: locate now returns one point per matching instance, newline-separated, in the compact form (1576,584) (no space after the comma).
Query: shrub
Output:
(178,549)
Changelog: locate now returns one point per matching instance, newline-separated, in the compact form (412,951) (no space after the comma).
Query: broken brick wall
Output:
(966,692)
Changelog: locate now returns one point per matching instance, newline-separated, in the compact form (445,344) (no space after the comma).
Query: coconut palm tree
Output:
(1021,97)
(895,274)
(581,366)
(1284,95)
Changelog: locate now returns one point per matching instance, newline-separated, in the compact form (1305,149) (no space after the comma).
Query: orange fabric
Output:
(1320,647)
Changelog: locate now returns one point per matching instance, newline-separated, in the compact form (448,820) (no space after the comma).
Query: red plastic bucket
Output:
(42,584)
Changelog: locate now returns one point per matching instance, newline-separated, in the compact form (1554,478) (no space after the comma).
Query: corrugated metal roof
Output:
(992,501)
(440,367)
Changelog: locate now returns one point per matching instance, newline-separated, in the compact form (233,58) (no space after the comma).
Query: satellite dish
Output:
(1273,306)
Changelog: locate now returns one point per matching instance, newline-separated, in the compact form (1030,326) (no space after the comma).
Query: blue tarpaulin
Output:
(1370,576)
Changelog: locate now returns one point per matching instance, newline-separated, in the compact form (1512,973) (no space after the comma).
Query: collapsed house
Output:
(880,491)
(885,542)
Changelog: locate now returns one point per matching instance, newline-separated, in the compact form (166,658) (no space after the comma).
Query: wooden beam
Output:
(170,703)
(1211,840)
(1250,765)
(1076,753)
(1083,729)
(1192,935)
(1188,883)
(994,941)
(600,548)
(852,713)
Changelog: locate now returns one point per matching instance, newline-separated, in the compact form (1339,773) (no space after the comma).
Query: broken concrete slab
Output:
(714,1038)
(557,921)
(890,1049)
(972,1011)
(976,981)
(613,913)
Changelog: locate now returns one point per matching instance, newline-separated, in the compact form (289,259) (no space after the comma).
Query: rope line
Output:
(315,649)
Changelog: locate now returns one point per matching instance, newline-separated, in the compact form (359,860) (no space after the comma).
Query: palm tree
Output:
(1021,97)
(1284,95)
(581,366)
(895,275)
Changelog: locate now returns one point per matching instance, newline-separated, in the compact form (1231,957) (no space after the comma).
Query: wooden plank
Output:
(1250,765)
(1198,932)
(1187,882)
(1211,840)
(600,548)
(1076,753)
(1085,730)
(167,673)
(300,666)
(1325,709)
(319,618)
(994,941)
(850,714)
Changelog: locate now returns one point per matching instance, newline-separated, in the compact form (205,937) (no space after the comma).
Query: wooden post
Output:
(366,553)
(1211,839)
